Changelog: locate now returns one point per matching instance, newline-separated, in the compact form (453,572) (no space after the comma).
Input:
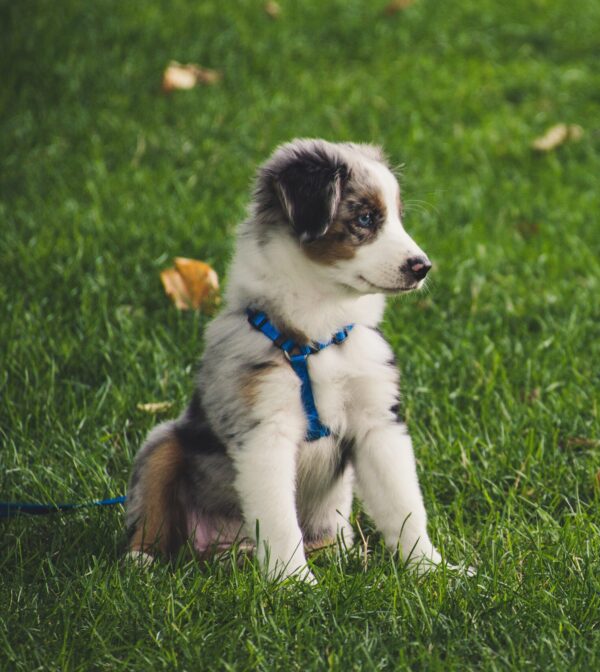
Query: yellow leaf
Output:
(155,406)
(192,284)
(272,9)
(183,77)
(208,76)
(575,132)
(397,6)
(582,442)
(557,135)
(175,288)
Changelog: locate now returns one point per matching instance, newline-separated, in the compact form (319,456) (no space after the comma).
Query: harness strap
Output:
(297,355)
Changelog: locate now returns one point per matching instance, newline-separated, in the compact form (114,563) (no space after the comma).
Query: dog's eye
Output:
(365,220)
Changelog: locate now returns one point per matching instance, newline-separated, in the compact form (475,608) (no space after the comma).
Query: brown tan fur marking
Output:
(250,383)
(345,236)
(162,524)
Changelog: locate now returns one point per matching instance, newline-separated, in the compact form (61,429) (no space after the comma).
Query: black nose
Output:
(418,267)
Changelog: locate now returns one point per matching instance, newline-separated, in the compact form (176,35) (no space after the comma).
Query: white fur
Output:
(380,262)
(354,387)
(246,459)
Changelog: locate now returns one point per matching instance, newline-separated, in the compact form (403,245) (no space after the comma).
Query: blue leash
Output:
(297,355)
(12,509)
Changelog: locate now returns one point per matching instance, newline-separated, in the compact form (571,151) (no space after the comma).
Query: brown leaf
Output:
(191,284)
(201,280)
(527,228)
(208,76)
(575,132)
(582,442)
(184,77)
(155,406)
(175,288)
(272,9)
(556,136)
(397,6)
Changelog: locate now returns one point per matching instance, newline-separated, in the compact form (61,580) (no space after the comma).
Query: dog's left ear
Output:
(309,186)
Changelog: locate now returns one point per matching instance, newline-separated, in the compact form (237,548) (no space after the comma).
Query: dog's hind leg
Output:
(156,515)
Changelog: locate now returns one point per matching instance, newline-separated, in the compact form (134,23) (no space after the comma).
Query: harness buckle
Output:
(295,358)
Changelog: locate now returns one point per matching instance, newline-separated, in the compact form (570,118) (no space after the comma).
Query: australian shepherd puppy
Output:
(321,248)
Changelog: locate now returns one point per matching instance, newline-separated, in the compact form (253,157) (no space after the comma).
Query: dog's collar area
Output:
(297,355)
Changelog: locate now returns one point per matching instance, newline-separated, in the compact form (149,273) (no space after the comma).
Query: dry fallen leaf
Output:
(582,442)
(155,406)
(557,135)
(528,228)
(575,132)
(533,395)
(397,6)
(183,77)
(191,284)
(208,76)
(273,9)
(175,288)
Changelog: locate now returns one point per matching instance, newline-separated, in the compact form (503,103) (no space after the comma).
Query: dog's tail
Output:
(156,512)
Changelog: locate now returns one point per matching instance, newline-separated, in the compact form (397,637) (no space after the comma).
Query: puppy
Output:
(295,407)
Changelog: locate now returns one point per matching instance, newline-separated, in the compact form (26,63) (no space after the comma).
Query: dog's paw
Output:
(140,558)
(294,570)
(467,570)
(300,574)
(424,564)
(305,576)
(423,560)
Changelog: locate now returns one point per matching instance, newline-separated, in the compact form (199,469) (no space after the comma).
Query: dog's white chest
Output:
(349,378)
(338,373)
(329,374)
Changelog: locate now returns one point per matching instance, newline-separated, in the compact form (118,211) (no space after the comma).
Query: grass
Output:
(103,180)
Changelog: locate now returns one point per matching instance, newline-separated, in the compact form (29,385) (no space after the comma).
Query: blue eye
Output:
(365,220)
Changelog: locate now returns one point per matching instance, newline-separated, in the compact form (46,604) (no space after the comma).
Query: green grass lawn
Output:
(103,180)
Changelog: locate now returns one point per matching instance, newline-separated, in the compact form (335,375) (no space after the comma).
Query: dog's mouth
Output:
(389,290)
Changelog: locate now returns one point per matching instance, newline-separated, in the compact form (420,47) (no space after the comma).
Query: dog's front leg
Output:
(266,478)
(389,487)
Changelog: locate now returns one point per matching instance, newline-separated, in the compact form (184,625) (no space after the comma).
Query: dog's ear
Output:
(309,185)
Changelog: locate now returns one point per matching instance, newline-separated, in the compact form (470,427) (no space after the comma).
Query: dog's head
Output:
(341,204)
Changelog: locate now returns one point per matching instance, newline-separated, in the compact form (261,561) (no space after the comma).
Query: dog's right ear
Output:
(309,183)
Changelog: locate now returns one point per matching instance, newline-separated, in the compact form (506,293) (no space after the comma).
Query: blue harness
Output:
(297,355)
